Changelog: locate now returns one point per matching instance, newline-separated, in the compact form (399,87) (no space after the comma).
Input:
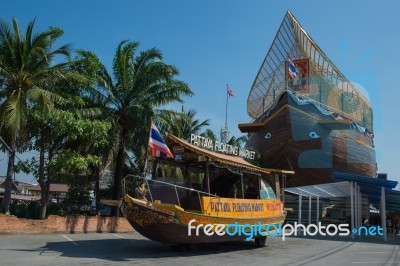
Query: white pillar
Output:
(317,210)
(278,187)
(351,208)
(383,213)
(309,209)
(300,198)
(283,189)
(355,205)
(359,207)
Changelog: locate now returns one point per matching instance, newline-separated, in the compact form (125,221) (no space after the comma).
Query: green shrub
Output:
(25,209)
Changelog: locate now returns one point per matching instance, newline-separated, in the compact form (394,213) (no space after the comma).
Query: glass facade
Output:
(323,84)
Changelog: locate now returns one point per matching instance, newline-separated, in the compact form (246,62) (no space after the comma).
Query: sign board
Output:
(221,147)
(178,149)
(231,207)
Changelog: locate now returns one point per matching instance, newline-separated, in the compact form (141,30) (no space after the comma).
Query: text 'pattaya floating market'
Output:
(209,144)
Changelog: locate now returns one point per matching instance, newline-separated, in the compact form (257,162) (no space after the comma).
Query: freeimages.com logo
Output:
(251,231)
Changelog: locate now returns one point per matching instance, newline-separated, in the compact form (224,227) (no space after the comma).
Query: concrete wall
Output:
(10,224)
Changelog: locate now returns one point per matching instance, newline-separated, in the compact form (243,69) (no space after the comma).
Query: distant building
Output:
(19,190)
(17,187)
(58,191)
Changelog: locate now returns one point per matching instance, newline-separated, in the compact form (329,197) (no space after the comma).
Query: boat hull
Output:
(171,226)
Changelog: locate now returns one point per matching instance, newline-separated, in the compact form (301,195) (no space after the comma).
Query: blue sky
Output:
(218,42)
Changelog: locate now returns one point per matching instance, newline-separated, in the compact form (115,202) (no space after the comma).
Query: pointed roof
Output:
(330,88)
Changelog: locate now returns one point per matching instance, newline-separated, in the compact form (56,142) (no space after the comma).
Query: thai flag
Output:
(157,143)
(230,92)
(292,71)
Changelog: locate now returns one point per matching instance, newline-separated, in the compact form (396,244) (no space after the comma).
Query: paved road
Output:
(132,248)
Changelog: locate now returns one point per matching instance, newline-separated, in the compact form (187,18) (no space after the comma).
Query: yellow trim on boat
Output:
(167,207)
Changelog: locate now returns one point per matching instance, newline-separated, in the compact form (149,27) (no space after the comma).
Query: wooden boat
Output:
(313,120)
(207,188)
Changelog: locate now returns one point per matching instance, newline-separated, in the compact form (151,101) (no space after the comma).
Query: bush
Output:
(57,209)
(25,209)
(78,198)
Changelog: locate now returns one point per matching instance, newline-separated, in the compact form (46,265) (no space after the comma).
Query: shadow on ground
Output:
(128,249)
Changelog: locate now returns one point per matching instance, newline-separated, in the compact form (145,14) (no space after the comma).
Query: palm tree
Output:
(240,141)
(95,105)
(209,133)
(26,71)
(140,83)
(182,124)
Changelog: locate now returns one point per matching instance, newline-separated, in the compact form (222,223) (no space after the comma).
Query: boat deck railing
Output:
(126,185)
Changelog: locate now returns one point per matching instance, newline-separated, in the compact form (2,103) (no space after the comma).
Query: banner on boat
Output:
(240,207)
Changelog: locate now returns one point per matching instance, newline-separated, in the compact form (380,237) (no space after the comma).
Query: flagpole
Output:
(226,109)
(147,152)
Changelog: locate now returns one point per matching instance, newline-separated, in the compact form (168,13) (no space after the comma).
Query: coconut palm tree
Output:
(139,85)
(209,133)
(94,105)
(182,124)
(240,141)
(27,70)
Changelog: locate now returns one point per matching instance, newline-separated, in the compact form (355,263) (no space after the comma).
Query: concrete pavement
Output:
(132,248)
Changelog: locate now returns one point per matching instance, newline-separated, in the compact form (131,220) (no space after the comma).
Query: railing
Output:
(125,189)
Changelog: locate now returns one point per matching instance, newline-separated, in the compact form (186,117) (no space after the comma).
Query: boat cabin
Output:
(195,172)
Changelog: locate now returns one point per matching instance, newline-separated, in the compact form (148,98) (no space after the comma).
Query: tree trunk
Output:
(8,181)
(97,190)
(119,167)
(43,186)
(43,200)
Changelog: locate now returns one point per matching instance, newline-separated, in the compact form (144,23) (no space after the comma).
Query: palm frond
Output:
(44,99)
(15,112)
(208,133)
